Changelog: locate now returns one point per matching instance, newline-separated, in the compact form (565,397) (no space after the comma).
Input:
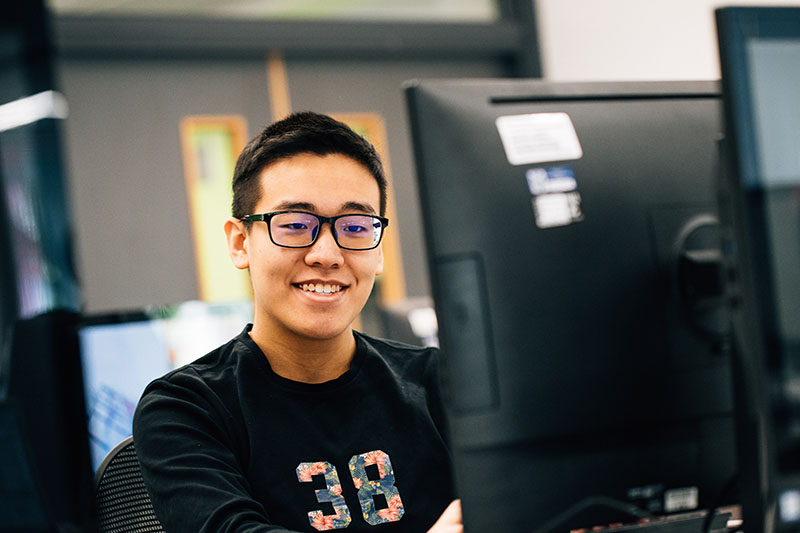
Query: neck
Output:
(303,359)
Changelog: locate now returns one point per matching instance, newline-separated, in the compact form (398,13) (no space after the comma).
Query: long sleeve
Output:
(190,462)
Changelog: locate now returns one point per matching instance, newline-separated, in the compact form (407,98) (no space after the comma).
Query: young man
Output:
(300,423)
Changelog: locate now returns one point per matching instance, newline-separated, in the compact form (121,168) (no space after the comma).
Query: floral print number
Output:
(332,493)
(367,489)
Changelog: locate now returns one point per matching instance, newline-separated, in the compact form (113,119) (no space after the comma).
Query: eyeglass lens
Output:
(358,232)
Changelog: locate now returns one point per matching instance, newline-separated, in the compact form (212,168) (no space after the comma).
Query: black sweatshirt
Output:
(226,444)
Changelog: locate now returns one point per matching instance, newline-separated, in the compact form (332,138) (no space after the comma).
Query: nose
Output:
(324,252)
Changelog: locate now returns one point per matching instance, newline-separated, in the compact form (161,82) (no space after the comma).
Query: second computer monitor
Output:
(573,246)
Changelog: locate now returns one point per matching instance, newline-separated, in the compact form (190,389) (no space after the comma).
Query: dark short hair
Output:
(299,133)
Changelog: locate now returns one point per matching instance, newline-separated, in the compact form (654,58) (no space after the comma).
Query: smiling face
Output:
(312,293)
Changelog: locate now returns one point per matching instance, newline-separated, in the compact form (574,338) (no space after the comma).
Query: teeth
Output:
(319,288)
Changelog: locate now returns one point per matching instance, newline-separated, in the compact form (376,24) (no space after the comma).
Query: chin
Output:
(324,333)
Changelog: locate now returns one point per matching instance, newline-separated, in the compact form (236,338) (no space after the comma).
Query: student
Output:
(300,423)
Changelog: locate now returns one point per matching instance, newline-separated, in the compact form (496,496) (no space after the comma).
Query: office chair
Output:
(121,499)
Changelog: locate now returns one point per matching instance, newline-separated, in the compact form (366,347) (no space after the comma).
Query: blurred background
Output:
(134,73)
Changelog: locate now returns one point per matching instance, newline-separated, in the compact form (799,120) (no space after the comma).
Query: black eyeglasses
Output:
(300,229)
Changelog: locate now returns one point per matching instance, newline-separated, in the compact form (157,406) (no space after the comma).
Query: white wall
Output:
(631,39)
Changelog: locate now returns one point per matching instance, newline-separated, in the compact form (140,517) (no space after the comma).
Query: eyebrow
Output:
(302,206)
(306,206)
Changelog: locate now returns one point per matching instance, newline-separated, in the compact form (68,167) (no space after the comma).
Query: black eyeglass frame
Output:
(267,217)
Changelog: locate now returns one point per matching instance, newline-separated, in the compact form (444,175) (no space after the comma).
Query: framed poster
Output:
(210,146)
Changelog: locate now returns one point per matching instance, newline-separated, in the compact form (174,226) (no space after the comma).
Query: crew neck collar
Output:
(343,380)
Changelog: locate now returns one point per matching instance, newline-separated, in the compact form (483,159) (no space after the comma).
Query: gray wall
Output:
(130,210)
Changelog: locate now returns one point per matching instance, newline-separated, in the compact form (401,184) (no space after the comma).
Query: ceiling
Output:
(354,10)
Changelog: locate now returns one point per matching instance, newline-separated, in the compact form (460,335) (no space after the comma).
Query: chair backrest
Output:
(121,499)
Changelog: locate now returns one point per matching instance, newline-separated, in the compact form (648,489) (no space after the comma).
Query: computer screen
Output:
(573,244)
(121,352)
(760,60)
(45,475)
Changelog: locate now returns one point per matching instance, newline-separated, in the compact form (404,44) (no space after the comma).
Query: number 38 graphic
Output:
(367,488)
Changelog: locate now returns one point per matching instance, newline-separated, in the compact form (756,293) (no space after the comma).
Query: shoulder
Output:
(403,358)
(210,382)
(198,401)
(413,370)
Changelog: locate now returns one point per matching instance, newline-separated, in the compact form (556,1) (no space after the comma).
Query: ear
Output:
(379,266)
(237,243)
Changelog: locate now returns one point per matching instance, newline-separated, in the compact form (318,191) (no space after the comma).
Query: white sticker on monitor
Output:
(557,209)
(554,195)
(538,138)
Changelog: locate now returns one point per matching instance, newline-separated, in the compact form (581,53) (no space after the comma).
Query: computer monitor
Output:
(120,355)
(573,245)
(121,352)
(45,476)
(760,60)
